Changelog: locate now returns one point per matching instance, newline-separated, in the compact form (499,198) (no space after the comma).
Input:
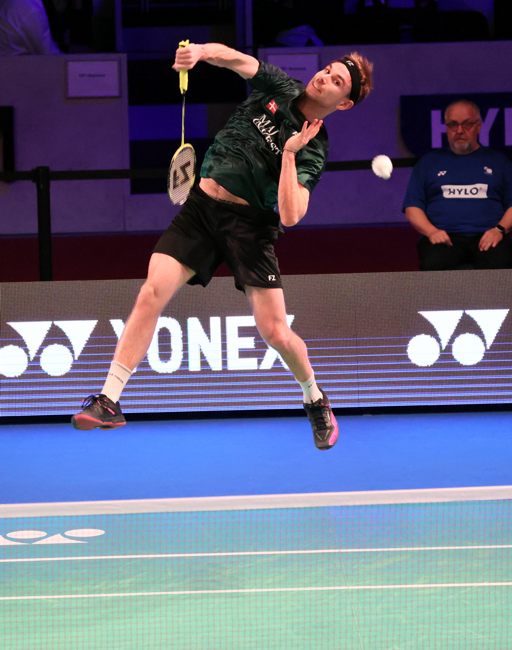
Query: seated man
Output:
(460,199)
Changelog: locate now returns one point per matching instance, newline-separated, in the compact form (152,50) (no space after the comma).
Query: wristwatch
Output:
(501,229)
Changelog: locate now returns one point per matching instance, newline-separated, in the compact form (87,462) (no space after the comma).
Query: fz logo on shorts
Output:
(272,278)
(467,348)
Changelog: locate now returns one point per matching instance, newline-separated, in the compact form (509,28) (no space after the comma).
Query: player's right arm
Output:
(216,54)
(421,223)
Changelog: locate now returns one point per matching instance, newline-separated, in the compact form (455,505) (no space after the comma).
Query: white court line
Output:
(324,551)
(212,592)
(257,502)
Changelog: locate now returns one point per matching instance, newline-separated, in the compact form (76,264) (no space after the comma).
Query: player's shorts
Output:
(207,232)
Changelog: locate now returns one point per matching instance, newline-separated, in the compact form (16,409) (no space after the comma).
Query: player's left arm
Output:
(292,197)
(216,54)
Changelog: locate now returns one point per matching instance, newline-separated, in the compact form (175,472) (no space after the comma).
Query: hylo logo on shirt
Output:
(476,191)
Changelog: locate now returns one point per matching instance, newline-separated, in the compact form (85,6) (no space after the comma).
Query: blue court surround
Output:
(51,462)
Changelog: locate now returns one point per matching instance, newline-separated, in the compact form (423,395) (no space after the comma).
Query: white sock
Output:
(311,391)
(116,380)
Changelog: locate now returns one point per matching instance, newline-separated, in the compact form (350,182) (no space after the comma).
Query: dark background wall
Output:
(107,228)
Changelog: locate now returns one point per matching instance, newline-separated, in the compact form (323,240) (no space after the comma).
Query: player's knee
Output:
(149,298)
(277,335)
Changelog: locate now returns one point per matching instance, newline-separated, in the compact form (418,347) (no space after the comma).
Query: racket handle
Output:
(183,73)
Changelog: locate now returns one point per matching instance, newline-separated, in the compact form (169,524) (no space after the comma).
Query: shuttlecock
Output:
(382,166)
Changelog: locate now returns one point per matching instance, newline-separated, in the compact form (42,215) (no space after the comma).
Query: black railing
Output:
(43,176)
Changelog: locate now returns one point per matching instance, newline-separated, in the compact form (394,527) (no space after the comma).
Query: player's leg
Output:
(268,308)
(165,277)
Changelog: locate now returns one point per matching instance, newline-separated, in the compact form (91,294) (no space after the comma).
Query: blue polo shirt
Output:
(465,194)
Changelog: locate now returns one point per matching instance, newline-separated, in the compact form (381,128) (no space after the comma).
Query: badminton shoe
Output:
(323,422)
(98,411)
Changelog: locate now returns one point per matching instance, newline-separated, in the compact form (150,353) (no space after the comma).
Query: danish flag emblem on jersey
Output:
(272,106)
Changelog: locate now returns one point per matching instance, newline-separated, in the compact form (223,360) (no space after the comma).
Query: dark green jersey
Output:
(246,154)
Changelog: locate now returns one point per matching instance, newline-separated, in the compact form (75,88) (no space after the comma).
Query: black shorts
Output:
(207,232)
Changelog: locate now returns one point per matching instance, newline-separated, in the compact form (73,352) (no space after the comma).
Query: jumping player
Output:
(258,174)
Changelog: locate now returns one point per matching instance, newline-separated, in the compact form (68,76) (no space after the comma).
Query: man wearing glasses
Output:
(460,199)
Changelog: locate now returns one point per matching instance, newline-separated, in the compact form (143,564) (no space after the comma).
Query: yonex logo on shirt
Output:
(476,191)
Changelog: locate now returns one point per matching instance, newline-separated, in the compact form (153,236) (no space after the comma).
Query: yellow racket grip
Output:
(183,73)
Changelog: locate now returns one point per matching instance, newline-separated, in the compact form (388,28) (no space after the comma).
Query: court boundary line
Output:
(257,501)
(222,554)
(256,590)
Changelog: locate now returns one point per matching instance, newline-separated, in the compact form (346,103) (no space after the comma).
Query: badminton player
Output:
(256,176)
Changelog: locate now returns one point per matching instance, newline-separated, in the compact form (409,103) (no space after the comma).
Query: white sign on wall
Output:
(93,78)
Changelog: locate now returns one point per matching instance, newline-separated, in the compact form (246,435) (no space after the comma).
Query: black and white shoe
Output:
(98,411)
(323,422)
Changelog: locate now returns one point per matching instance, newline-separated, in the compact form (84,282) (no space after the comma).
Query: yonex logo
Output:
(467,348)
(55,359)
(28,537)
(190,344)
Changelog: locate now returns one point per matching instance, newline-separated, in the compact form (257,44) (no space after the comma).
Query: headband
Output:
(355,76)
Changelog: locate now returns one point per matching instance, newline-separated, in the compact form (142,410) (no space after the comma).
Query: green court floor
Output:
(396,576)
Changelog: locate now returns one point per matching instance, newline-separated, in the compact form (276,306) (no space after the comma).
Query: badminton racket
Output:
(181,174)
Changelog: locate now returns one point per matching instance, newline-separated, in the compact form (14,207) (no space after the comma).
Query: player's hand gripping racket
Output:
(181,174)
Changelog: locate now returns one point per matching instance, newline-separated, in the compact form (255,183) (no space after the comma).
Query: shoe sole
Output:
(86,423)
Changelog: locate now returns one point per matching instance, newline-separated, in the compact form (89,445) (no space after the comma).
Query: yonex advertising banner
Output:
(375,340)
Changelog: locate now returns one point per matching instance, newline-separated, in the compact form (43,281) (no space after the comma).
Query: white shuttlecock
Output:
(382,166)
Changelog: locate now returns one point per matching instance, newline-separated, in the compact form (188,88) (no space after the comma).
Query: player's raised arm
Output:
(293,198)
(216,54)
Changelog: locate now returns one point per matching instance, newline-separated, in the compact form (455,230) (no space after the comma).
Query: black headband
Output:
(355,76)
